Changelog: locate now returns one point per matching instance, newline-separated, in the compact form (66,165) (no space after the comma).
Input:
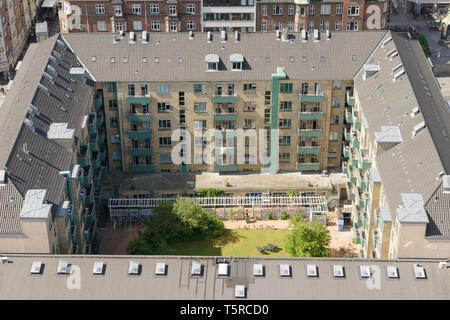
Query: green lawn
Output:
(234,243)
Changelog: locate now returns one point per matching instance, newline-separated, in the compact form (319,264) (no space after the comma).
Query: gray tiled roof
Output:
(10,206)
(439,214)
(255,47)
(16,282)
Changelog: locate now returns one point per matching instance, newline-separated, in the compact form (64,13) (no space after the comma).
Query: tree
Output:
(423,43)
(292,193)
(308,239)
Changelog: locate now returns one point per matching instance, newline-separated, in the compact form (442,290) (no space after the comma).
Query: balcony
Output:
(348,116)
(224,99)
(73,230)
(356,120)
(308,149)
(103,153)
(360,198)
(92,119)
(347,135)
(140,168)
(315,98)
(345,151)
(139,117)
(140,134)
(350,192)
(352,174)
(88,195)
(136,152)
(362,180)
(87,176)
(95,160)
(98,177)
(375,239)
(304,115)
(225,114)
(137,99)
(344,167)
(101,135)
(364,161)
(350,98)
(353,157)
(224,151)
(307,166)
(98,100)
(89,214)
(309,132)
(355,140)
(100,119)
(83,156)
(93,142)
(224,168)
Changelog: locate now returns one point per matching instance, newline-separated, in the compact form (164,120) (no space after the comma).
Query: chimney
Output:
(284,35)
(278,34)
(328,35)
(316,35)
(132,37)
(223,36)
(144,37)
(114,38)
(304,35)
(209,37)
(191,35)
(237,36)
(3,177)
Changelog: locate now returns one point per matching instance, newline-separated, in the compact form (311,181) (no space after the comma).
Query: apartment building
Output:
(16,20)
(53,155)
(221,15)
(223,81)
(398,155)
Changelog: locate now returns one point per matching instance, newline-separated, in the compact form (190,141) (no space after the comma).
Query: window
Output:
(115,138)
(385,5)
(101,25)
(277,10)
(317,88)
(190,8)
(236,66)
(112,104)
(99,9)
(199,124)
(277,25)
(111,87)
(291,26)
(212,66)
(154,8)
(165,158)
(311,25)
(172,10)
(63,25)
(284,123)
(285,105)
(267,116)
(163,107)
(267,95)
(199,106)
(264,26)
(284,157)
(335,102)
(155,25)
(218,91)
(286,87)
(131,90)
(191,25)
(327,25)
(136,8)
(352,26)
(119,26)
(302,11)
(116,155)
(165,141)
(137,25)
(284,140)
(334,119)
(182,116)
(305,88)
(353,10)
(113,122)
(337,84)
(338,25)
(117,10)
(173,26)
(181,99)
(132,108)
(249,124)
(291,10)
(312,10)
(321,25)
(264,10)
(231,89)
(249,87)
(164,124)
(144,90)
(333,136)
(339,8)
(325,9)
(162,89)
(249,106)
(198,88)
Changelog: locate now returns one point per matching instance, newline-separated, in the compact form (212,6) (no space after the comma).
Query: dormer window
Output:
(236,61)
(212,61)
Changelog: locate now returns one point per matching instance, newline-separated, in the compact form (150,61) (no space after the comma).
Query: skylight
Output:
(223,269)
(63,267)
(133,268)
(392,272)
(160,268)
(98,268)
(258,270)
(36,267)
(285,270)
(364,271)
(196,269)
(311,270)
(338,271)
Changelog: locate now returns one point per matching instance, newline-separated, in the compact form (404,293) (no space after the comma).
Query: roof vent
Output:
(4,259)
(398,75)
(36,267)
(223,269)
(223,36)
(419,127)
(443,264)
(134,268)
(25,148)
(414,112)
(390,52)
(196,269)
(239,291)
(397,67)
(79,73)
(316,35)
(285,270)
(145,37)
(258,270)
(304,35)
(385,42)
(2,177)
(338,271)
(419,271)
(98,268)
(44,88)
(191,35)
(33,110)
(446,184)
(394,55)
(392,272)
(311,270)
(278,34)
(63,267)
(209,37)
(132,37)
(284,35)
(160,269)
(30,124)
(237,36)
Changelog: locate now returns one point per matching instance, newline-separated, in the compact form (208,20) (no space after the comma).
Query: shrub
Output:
(292,193)
(284,216)
(269,216)
(308,239)
(209,192)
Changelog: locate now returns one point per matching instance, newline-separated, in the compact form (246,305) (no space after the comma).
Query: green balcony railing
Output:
(350,99)
(92,120)
(353,159)
(224,168)
(363,181)
(224,99)
(141,168)
(347,135)
(355,140)
(345,151)
(344,167)
(137,99)
(139,117)
(83,156)
(140,134)
(352,174)
(100,119)
(310,115)
(136,152)
(364,161)
(225,117)
(98,177)
(350,192)
(307,166)
(98,100)
(308,149)
(315,98)
(93,141)
(309,132)
(87,176)
(348,116)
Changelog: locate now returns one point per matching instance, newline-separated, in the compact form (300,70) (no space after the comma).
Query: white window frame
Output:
(155,25)
(264,10)
(191,25)
(278,12)
(355,26)
(101,23)
(136,8)
(264,26)
(190,8)
(311,25)
(325,9)
(291,25)
(338,25)
(291,10)
(339,8)
(99,9)
(173,26)
(172,10)
(118,11)
(137,25)
(116,26)
(349,10)
(312,10)
(154,8)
